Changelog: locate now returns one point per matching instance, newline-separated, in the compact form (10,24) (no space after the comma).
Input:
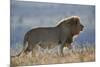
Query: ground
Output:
(75,55)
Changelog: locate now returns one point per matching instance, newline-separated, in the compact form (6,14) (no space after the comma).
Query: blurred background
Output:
(29,15)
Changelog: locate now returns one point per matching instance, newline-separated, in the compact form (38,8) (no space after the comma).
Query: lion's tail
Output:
(25,45)
(24,48)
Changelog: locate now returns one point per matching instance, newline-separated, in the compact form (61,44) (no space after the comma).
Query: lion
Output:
(60,35)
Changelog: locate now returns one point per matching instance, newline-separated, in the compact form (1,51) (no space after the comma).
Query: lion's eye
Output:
(76,23)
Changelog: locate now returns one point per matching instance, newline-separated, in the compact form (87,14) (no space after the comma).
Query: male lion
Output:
(60,35)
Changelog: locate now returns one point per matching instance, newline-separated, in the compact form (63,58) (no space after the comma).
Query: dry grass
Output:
(86,54)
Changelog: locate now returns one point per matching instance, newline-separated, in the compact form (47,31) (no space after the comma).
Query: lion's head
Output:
(73,24)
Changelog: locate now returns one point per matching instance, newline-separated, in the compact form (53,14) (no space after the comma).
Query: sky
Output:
(29,15)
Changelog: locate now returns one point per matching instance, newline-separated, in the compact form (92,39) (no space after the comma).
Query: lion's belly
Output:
(48,45)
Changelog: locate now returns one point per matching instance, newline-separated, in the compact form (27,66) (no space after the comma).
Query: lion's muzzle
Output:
(82,27)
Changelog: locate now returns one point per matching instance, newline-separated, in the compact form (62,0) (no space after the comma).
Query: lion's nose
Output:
(82,26)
